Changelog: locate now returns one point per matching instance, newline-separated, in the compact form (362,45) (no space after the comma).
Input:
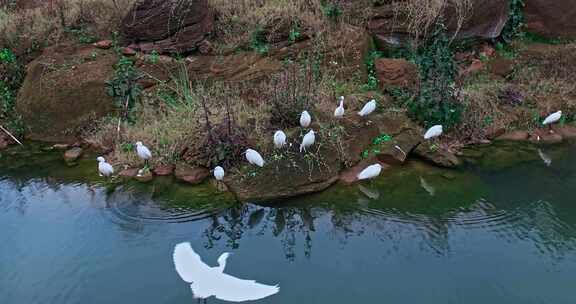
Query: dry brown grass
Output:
(420,16)
(237,20)
(50,22)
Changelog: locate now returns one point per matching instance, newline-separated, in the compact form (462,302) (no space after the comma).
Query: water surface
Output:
(500,230)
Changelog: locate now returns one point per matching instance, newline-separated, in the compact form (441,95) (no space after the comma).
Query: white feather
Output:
(305,119)
(308,140)
(279,139)
(254,158)
(208,281)
(370,172)
(434,131)
(143,151)
(368,108)
(104,168)
(552,118)
(339,112)
(219,173)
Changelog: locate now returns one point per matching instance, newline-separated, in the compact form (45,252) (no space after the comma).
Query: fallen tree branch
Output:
(10,134)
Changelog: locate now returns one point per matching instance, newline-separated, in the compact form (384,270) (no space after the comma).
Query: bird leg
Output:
(550,130)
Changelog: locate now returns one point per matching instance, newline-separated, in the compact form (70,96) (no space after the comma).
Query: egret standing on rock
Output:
(104,168)
(143,152)
(279,139)
(219,173)
(370,172)
(552,118)
(206,281)
(435,131)
(339,112)
(307,141)
(305,119)
(368,108)
(254,158)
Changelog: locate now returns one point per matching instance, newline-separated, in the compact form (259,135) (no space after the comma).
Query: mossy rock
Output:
(64,90)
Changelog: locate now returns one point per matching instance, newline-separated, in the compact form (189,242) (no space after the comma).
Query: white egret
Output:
(434,131)
(545,158)
(339,112)
(307,141)
(104,168)
(552,118)
(279,139)
(370,172)
(143,152)
(219,173)
(427,186)
(206,281)
(254,158)
(305,119)
(368,108)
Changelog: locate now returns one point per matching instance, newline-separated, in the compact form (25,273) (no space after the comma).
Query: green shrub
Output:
(124,87)
(435,102)
(514,27)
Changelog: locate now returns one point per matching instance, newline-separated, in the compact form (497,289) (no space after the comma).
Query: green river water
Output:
(502,229)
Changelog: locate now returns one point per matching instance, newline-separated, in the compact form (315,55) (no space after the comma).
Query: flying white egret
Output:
(339,112)
(307,141)
(552,118)
(206,281)
(545,158)
(254,158)
(370,172)
(368,108)
(305,119)
(219,173)
(104,168)
(279,139)
(143,152)
(434,131)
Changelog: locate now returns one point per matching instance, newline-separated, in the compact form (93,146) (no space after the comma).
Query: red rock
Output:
(502,67)
(514,136)
(492,133)
(60,146)
(396,72)
(567,132)
(128,172)
(167,26)
(476,66)
(72,155)
(164,170)
(350,176)
(127,51)
(487,51)
(551,18)
(104,44)
(144,177)
(191,175)
(544,136)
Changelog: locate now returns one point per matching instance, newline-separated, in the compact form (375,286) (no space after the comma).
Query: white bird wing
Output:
(188,263)
(552,118)
(369,172)
(433,132)
(229,288)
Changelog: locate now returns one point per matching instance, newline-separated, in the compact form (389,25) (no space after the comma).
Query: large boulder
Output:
(552,19)
(167,26)
(64,90)
(288,173)
(395,73)
(485,19)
